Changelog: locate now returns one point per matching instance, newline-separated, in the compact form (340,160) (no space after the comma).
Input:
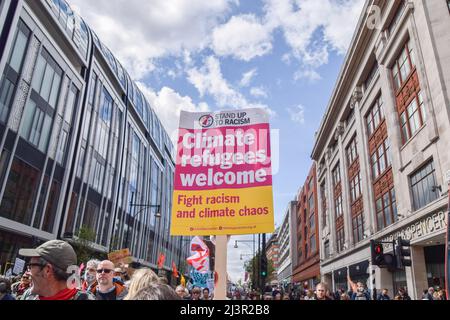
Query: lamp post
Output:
(254,257)
(143,207)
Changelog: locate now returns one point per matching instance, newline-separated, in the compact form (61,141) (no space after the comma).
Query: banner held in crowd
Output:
(223,178)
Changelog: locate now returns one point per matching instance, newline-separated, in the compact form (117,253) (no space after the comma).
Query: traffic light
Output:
(403,253)
(263,266)
(379,258)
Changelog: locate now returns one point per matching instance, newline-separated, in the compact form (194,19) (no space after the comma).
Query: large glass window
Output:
(358,228)
(375,116)
(36,126)
(413,118)
(381,159)
(386,207)
(403,66)
(352,152)
(355,188)
(10,78)
(340,240)
(424,186)
(47,79)
(20,192)
(336,175)
(312,243)
(338,206)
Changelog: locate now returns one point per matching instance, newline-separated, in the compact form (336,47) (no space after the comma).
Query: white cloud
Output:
(258,92)
(209,81)
(312,28)
(310,74)
(244,37)
(248,77)
(139,31)
(168,105)
(297,114)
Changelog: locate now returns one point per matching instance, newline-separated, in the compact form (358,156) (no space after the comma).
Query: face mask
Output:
(90,278)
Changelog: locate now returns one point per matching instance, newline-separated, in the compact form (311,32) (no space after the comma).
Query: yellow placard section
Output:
(222,212)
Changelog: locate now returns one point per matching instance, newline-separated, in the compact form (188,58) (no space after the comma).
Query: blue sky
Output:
(195,55)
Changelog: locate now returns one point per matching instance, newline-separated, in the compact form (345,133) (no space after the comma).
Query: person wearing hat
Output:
(49,265)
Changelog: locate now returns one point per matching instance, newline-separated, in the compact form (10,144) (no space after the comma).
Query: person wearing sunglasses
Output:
(50,267)
(106,288)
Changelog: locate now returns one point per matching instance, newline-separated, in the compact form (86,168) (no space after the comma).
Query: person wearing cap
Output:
(107,289)
(49,265)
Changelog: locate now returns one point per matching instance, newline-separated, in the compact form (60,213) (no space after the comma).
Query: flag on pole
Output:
(174,270)
(200,255)
(161,260)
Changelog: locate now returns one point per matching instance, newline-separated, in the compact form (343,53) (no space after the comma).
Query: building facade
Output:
(306,267)
(382,148)
(273,252)
(288,244)
(81,148)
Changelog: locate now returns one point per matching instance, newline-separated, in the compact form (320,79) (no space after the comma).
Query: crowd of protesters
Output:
(48,278)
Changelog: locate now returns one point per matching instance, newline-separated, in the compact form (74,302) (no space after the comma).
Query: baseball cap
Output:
(56,252)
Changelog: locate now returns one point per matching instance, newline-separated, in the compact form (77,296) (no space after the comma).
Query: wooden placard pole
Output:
(220,265)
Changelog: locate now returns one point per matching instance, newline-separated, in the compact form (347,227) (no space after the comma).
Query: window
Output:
(403,66)
(36,126)
(375,116)
(448,5)
(312,244)
(327,249)
(352,152)
(311,185)
(338,206)
(355,187)
(397,16)
(47,79)
(340,239)
(336,175)
(413,118)
(10,78)
(311,204)
(381,159)
(358,228)
(386,208)
(423,186)
(312,223)
(371,76)
(324,205)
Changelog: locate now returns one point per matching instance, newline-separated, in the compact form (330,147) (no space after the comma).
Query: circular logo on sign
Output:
(206,121)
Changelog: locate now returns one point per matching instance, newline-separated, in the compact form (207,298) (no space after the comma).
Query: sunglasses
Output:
(104,270)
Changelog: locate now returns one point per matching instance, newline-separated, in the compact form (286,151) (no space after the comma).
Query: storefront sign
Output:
(223,176)
(422,228)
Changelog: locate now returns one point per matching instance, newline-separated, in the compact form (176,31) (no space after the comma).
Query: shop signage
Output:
(431,224)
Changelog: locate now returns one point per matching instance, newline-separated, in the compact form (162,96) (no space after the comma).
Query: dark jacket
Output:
(120,292)
(361,296)
(383,297)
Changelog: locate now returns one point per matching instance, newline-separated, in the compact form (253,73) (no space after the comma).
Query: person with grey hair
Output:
(90,275)
(49,266)
(156,291)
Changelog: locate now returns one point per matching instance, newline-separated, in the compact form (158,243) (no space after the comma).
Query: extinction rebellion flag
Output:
(223,175)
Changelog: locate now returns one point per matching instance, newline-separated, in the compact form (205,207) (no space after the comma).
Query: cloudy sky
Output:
(196,55)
